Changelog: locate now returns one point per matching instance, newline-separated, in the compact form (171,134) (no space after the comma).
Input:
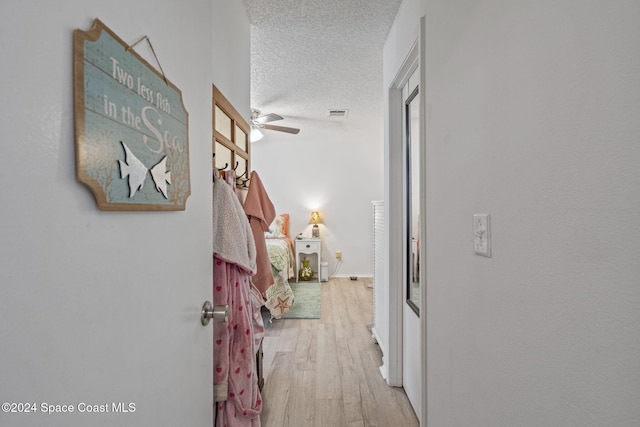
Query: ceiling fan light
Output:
(255,135)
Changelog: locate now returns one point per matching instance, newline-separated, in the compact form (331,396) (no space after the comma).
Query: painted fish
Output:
(161,177)
(134,169)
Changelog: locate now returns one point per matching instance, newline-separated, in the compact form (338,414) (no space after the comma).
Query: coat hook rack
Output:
(226,165)
(242,184)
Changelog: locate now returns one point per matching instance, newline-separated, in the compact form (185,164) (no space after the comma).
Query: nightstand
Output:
(306,247)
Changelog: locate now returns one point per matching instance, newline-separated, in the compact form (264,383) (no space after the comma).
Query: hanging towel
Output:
(261,213)
(232,236)
(230,178)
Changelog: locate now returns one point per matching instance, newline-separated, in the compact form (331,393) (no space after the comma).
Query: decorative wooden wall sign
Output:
(131,127)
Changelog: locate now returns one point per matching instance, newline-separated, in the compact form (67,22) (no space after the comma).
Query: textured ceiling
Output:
(309,56)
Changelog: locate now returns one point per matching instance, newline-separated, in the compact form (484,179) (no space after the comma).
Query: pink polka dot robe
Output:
(236,393)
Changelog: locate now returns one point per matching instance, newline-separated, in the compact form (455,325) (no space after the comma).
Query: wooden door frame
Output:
(220,101)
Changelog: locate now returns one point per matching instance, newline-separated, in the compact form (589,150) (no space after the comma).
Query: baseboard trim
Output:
(376,336)
(346,276)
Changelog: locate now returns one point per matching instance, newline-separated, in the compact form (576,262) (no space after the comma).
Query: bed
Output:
(279,296)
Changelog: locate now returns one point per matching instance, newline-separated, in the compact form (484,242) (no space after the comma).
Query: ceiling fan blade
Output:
(281,128)
(271,117)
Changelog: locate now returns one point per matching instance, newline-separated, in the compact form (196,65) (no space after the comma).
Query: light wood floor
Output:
(325,372)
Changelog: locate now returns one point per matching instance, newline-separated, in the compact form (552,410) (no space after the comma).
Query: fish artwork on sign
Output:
(161,177)
(133,168)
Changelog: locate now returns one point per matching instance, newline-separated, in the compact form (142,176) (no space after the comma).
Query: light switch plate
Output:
(482,235)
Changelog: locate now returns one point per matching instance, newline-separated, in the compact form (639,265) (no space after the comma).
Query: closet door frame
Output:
(394,222)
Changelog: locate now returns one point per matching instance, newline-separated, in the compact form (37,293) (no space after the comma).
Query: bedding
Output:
(279,296)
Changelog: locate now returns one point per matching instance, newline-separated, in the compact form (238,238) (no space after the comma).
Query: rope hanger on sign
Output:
(152,51)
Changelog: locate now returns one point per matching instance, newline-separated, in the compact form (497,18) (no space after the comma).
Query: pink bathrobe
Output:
(234,349)
(261,213)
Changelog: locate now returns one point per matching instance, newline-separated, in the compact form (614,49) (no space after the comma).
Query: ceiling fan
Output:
(260,122)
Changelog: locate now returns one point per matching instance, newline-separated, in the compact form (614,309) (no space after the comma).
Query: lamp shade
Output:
(315,218)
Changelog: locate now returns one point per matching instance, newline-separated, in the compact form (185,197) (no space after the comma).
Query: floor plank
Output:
(325,372)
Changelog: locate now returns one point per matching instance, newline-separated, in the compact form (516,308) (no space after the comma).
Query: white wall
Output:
(79,309)
(232,53)
(533,115)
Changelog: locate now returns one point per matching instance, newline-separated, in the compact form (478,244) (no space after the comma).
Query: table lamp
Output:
(315,220)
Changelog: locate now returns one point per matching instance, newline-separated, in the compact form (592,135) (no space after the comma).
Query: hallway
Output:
(324,372)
